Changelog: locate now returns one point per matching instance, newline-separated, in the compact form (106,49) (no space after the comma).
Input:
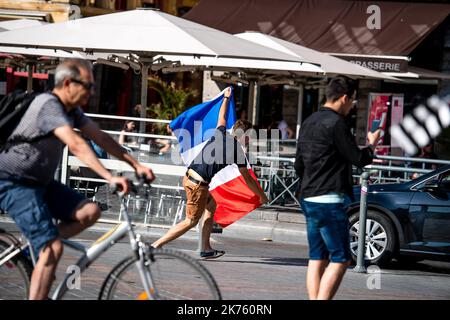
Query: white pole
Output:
(144,85)
(301,89)
(65,166)
(200,233)
(253,101)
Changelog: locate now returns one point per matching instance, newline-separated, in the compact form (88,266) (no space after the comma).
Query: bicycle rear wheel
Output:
(15,275)
(176,276)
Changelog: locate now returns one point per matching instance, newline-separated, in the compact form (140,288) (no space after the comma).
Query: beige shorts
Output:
(198,199)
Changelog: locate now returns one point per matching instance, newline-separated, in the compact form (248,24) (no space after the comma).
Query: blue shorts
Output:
(33,208)
(328,230)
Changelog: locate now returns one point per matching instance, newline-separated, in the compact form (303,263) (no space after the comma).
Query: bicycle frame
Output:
(92,253)
(15,248)
(103,244)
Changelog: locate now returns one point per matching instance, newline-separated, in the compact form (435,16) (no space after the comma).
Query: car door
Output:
(429,215)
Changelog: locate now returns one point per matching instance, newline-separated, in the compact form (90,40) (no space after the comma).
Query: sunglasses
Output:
(87,85)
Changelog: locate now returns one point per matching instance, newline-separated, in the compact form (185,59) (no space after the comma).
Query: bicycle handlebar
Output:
(143,181)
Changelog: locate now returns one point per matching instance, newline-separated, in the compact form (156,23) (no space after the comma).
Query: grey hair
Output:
(70,69)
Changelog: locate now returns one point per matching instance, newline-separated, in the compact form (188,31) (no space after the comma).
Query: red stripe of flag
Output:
(234,199)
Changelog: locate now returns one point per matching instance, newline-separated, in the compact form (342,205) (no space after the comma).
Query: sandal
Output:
(211,254)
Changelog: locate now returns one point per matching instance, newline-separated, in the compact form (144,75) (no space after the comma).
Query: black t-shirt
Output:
(221,150)
(326,151)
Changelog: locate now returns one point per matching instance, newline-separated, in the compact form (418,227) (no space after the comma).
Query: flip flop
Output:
(211,254)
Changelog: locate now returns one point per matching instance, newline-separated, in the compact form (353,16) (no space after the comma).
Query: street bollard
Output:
(200,233)
(360,264)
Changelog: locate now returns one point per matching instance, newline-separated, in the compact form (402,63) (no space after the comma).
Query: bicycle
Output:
(149,273)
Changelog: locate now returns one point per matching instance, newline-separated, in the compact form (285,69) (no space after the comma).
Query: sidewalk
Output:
(278,224)
(275,223)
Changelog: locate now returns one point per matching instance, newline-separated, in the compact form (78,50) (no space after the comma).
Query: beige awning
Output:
(420,73)
(144,32)
(331,65)
(14,51)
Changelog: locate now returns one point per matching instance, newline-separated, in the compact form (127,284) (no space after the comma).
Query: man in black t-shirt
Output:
(220,151)
(326,151)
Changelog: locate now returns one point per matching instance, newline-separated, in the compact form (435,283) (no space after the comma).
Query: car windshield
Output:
(442,179)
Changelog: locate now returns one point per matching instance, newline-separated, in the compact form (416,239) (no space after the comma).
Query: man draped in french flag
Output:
(219,181)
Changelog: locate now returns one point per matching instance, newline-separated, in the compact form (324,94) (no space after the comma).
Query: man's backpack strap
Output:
(18,139)
(12,109)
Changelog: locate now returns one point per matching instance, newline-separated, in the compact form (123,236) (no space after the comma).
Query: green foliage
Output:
(173,101)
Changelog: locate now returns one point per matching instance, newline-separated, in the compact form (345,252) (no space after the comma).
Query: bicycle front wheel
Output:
(175,275)
(15,275)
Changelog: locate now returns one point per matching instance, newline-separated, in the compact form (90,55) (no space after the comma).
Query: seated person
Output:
(166,143)
(128,127)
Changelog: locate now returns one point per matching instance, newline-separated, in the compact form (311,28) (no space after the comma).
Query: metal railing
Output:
(399,169)
(280,182)
(162,207)
(278,179)
(275,173)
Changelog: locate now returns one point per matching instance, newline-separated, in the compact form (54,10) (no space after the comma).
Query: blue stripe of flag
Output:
(206,112)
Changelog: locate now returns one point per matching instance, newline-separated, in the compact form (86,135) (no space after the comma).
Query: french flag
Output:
(193,128)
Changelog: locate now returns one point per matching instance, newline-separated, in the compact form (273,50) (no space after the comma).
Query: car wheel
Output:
(380,238)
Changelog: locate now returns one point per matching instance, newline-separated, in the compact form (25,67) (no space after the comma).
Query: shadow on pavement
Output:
(420,266)
(270,261)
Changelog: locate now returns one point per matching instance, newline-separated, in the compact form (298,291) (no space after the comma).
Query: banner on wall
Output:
(378,115)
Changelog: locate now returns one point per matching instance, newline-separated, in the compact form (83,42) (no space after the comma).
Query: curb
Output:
(277,225)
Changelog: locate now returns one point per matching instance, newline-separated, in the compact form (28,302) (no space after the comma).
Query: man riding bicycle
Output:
(27,189)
